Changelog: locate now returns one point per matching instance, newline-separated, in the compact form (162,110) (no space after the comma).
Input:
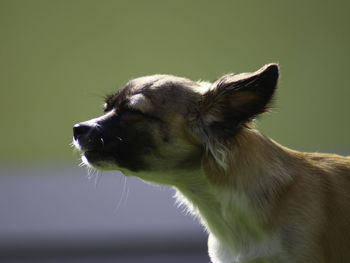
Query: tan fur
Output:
(310,198)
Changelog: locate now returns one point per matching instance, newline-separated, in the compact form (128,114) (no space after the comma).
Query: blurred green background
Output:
(58,59)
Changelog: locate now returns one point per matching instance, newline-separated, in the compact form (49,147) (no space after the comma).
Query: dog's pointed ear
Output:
(237,98)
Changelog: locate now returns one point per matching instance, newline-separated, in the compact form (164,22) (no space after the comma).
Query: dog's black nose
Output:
(80,129)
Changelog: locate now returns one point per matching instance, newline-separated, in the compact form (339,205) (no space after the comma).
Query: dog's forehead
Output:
(160,84)
(158,88)
(164,92)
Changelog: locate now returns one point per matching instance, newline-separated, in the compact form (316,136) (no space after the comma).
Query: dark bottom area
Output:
(106,253)
(148,258)
(190,257)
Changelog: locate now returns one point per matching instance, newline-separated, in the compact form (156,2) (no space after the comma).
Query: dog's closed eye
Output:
(130,114)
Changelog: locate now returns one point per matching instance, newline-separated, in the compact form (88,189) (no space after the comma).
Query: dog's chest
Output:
(237,234)
(220,252)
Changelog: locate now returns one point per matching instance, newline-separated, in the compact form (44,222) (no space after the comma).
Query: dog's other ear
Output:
(237,98)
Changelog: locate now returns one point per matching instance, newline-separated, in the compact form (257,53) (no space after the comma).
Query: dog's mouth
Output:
(95,152)
(95,156)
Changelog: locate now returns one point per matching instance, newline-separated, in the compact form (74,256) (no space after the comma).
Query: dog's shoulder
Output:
(331,163)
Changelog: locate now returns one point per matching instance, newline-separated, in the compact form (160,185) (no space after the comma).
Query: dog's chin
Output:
(98,160)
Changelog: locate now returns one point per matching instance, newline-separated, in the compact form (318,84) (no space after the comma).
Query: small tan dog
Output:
(259,201)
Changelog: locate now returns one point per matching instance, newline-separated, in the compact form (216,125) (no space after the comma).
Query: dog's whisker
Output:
(98,176)
(83,162)
(75,145)
(122,195)
(91,172)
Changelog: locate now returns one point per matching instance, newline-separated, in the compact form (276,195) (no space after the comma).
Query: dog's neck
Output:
(230,201)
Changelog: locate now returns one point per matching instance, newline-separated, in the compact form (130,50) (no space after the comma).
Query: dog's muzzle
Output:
(80,130)
(88,137)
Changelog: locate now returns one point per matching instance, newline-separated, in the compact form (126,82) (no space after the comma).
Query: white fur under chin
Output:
(229,244)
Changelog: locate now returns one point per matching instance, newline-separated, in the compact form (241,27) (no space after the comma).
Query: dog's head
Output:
(163,122)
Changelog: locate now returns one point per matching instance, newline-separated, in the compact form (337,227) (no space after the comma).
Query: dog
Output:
(258,200)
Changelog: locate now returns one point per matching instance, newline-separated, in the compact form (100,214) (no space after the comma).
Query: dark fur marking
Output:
(125,142)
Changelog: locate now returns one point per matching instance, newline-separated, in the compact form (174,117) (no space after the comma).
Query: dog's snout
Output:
(80,129)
